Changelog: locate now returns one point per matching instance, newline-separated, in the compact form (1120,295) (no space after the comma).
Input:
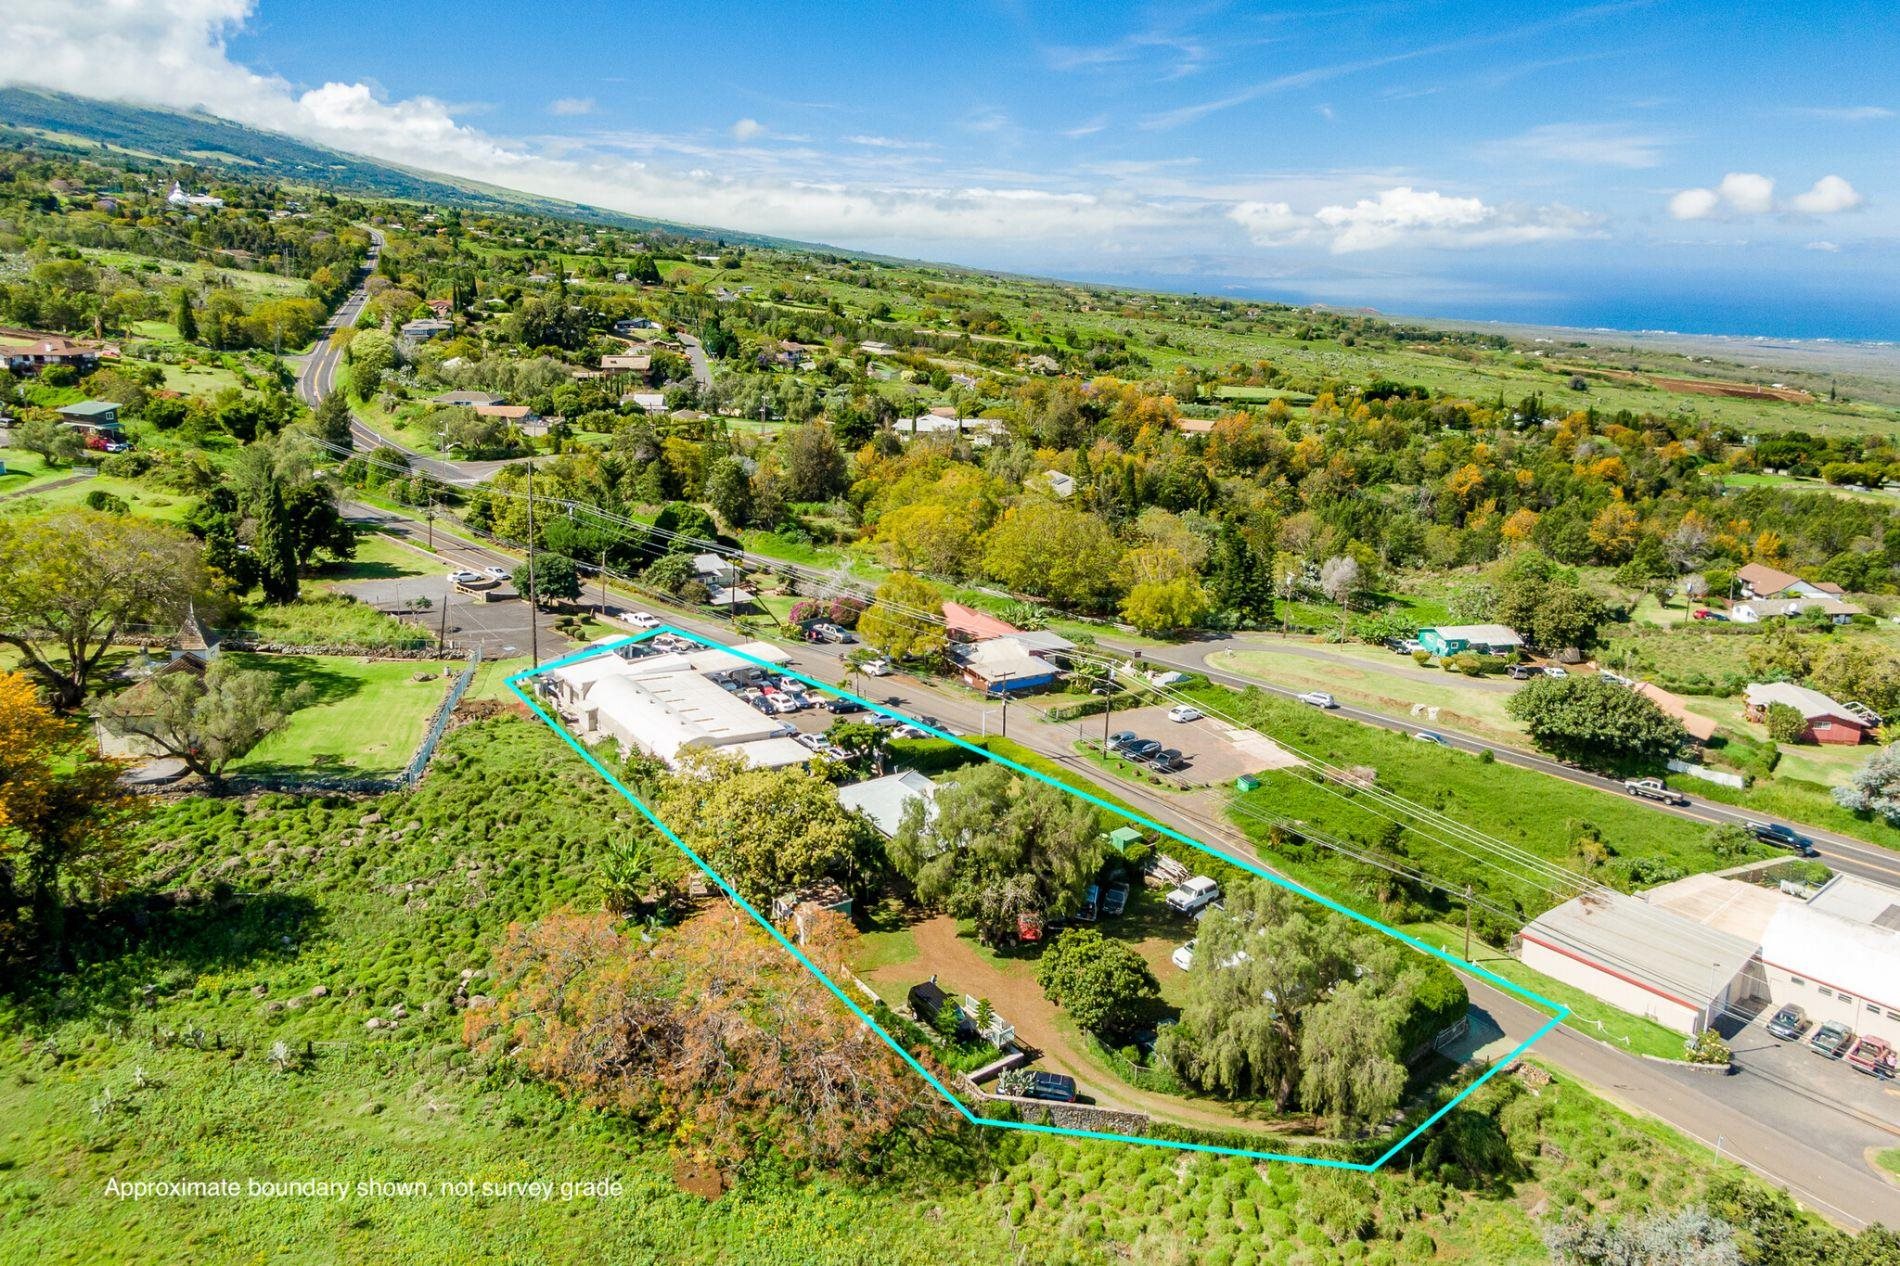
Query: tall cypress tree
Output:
(332,420)
(184,318)
(276,546)
(1240,581)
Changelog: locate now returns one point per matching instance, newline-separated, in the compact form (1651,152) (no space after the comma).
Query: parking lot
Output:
(1788,1086)
(499,623)
(1212,754)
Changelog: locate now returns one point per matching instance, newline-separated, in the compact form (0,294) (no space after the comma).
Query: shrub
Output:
(1786,724)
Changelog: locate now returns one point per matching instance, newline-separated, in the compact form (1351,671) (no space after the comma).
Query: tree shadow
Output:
(121,958)
(325,684)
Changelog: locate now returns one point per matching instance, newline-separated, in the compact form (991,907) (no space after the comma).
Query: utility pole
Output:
(442,634)
(603,580)
(1467,923)
(534,623)
(430,516)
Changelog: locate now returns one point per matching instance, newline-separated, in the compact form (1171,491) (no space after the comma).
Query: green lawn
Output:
(1889,1160)
(1365,676)
(1644,846)
(25,470)
(379,557)
(368,717)
(170,507)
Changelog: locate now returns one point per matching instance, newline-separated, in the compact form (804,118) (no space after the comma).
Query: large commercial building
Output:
(1690,949)
(669,704)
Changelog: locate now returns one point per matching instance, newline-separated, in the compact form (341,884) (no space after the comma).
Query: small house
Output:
(422,329)
(885,800)
(1757,610)
(100,417)
(1840,724)
(1003,665)
(1479,639)
(1758,580)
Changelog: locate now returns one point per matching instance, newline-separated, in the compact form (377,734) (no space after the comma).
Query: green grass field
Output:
(367,718)
(1373,677)
(141,498)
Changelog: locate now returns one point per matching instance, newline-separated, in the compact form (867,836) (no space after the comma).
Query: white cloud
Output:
(1828,247)
(1747,192)
(748,130)
(1845,114)
(1694,204)
(570,106)
(1408,216)
(887,142)
(1830,194)
(1584,144)
(1271,223)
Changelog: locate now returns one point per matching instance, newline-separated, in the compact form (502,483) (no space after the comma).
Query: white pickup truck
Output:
(1195,894)
(1654,789)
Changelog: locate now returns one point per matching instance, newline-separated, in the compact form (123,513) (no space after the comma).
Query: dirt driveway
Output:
(1010,985)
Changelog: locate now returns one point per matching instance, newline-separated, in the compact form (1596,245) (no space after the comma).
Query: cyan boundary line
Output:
(608,647)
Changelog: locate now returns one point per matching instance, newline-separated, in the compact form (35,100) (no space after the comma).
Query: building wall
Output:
(1833,732)
(1607,985)
(1822,1001)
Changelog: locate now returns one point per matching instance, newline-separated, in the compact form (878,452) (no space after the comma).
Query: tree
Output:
(183,317)
(1785,723)
(904,619)
(1861,671)
(1339,580)
(71,582)
(1690,1236)
(1157,607)
(1547,609)
(54,441)
(276,546)
(1779,654)
(814,465)
(766,831)
(211,720)
(729,492)
(857,739)
(941,539)
(554,577)
(711,1034)
(1875,787)
(1594,722)
(998,847)
(62,820)
(1239,581)
(1352,1069)
(1104,985)
(331,420)
(1052,551)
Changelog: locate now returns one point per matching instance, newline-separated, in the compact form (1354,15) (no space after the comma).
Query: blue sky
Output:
(1680,165)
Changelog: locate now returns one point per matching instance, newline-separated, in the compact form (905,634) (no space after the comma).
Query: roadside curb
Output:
(1713,1070)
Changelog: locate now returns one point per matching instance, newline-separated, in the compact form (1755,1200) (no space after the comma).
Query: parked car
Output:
(1788,1023)
(1832,1039)
(1183,956)
(1091,904)
(843,705)
(499,573)
(1873,1056)
(1555,670)
(1431,736)
(1319,699)
(1615,679)
(1781,837)
(831,633)
(467,577)
(1196,894)
(1654,789)
(643,620)
(1181,713)
(1115,900)
(1058,1087)
(1120,739)
(1169,759)
(814,742)
(909,732)
(1141,750)
(1703,613)
(878,668)
(1520,672)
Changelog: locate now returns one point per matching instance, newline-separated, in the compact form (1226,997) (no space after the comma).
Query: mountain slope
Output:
(39,117)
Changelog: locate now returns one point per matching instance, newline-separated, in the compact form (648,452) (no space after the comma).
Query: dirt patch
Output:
(696,1178)
(1735,390)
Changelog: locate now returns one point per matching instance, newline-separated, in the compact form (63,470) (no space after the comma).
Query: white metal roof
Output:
(883,800)
(1858,959)
(1860,901)
(1809,703)
(1638,941)
(1487,634)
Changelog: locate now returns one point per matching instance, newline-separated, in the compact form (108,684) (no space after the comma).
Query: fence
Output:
(1706,774)
(370,785)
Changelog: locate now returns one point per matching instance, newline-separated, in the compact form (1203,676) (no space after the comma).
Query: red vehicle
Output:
(1873,1056)
(1028,928)
(1703,613)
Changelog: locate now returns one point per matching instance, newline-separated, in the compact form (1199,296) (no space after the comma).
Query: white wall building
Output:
(668,705)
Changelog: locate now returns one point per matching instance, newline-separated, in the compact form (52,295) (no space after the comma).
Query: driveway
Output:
(1216,753)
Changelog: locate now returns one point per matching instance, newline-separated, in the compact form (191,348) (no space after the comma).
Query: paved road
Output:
(696,357)
(1695,1103)
(1842,852)
(316,377)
